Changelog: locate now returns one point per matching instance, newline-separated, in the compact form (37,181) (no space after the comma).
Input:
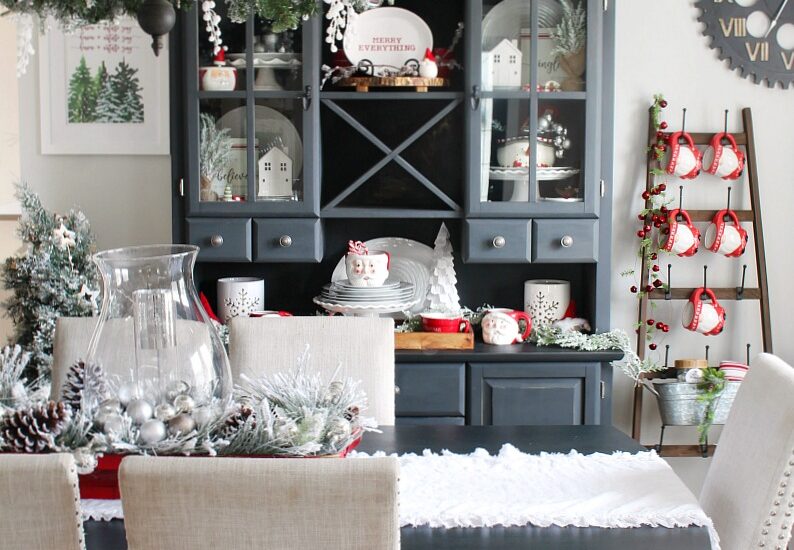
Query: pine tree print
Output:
(128,93)
(107,109)
(100,79)
(82,96)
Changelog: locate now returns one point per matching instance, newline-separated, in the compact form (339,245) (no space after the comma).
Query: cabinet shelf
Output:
(388,213)
(233,94)
(526,94)
(400,96)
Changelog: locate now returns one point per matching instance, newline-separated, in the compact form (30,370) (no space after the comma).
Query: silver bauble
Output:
(99,418)
(566,144)
(176,388)
(164,412)
(152,431)
(565,131)
(558,141)
(139,410)
(558,129)
(204,415)
(184,403)
(548,117)
(127,392)
(543,124)
(113,425)
(111,405)
(181,424)
(559,153)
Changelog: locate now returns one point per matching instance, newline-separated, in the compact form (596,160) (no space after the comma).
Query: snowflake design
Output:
(242,304)
(542,310)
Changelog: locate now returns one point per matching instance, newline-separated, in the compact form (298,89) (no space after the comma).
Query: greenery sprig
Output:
(710,389)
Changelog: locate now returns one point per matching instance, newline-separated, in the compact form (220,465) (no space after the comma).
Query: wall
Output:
(126,198)
(9,153)
(664,50)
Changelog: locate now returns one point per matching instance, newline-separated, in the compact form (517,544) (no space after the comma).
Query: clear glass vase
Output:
(154,353)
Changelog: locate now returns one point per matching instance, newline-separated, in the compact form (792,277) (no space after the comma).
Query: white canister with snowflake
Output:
(546,300)
(239,296)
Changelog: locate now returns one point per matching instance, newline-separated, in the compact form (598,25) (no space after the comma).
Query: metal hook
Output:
(707,353)
(725,126)
(668,294)
(666,355)
(740,289)
(748,355)
(705,272)
(729,199)
(683,121)
(680,197)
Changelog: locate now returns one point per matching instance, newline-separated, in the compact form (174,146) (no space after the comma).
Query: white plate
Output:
(384,24)
(411,262)
(346,285)
(374,297)
(269,125)
(507,18)
(369,310)
(550,173)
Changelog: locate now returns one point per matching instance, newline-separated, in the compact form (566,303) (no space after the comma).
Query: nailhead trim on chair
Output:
(783,534)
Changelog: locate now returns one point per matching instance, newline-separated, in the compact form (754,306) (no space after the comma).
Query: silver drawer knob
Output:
(216,241)
(499,242)
(285,241)
(566,241)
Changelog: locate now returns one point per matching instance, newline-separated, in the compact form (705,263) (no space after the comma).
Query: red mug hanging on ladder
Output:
(683,238)
(725,238)
(726,162)
(705,317)
(683,159)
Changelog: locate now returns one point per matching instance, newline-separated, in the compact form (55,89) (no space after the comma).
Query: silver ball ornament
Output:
(566,144)
(181,424)
(113,425)
(176,388)
(99,419)
(184,403)
(139,410)
(204,415)
(109,406)
(558,129)
(164,412)
(558,141)
(559,153)
(127,392)
(543,124)
(152,431)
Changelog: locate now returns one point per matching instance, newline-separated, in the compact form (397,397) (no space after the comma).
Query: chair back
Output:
(70,344)
(250,503)
(39,503)
(363,347)
(749,488)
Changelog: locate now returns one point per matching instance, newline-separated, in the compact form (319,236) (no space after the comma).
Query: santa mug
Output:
(365,268)
(726,162)
(683,159)
(500,327)
(706,317)
(683,238)
(729,239)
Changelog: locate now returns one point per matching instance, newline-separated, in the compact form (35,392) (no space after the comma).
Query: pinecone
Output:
(33,430)
(80,375)
(237,419)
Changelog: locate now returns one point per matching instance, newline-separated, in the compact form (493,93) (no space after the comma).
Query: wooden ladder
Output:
(761,293)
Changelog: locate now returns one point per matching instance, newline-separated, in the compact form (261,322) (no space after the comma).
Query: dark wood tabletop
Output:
(464,439)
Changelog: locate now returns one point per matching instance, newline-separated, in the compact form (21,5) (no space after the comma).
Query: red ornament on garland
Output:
(663,125)
(652,346)
(663,103)
(633,290)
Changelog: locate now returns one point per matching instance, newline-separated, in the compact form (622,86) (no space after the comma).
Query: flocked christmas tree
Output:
(119,99)
(82,94)
(53,277)
(442,294)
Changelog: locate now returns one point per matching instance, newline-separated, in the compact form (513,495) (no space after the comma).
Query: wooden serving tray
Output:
(364,83)
(433,340)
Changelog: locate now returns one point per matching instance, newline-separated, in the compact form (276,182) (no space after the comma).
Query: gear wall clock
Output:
(755,36)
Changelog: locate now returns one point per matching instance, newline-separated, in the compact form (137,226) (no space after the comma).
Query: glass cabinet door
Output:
(252,149)
(532,115)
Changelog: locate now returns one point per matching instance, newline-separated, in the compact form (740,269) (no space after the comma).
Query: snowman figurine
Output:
(428,68)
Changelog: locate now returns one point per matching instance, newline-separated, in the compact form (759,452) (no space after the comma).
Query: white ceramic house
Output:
(505,63)
(275,173)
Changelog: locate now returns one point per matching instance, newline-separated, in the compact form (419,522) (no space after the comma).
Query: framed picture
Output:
(103,91)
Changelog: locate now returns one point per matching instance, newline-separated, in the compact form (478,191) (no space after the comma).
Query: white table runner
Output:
(512,488)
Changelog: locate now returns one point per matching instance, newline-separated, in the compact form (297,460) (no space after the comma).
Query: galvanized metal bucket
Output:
(679,404)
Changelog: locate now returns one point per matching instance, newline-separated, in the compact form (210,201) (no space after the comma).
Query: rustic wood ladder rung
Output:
(761,293)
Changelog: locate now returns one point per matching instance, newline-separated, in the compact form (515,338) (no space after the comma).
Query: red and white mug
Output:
(724,161)
(683,159)
(500,326)
(703,316)
(726,238)
(444,322)
(683,238)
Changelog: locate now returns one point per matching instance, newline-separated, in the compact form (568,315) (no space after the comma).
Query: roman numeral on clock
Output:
(736,26)
(758,51)
(788,61)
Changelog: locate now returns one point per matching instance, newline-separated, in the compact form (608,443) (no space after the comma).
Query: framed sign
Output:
(102,91)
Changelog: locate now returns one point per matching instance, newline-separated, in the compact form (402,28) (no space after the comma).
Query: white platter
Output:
(546,173)
(370,310)
(507,18)
(367,37)
(270,60)
(411,262)
(360,297)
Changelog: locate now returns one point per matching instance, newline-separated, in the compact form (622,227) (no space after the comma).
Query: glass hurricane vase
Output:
(154,354)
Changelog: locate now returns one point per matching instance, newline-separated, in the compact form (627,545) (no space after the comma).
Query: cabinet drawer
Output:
(496,241)
(430,389)
(564,241)
(221,240)
(288,240)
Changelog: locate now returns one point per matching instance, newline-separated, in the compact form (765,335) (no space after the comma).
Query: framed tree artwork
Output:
(102,92)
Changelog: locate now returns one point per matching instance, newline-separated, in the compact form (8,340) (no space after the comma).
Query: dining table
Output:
(109,535)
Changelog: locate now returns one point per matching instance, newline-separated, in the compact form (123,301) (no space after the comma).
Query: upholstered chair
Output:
(361,348)
(70,344)
(39,503)
(749,488)
(249,503)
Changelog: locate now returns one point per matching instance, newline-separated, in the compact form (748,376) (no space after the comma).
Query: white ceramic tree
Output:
(442,294)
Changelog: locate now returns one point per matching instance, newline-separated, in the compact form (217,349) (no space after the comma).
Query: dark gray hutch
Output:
(397,162)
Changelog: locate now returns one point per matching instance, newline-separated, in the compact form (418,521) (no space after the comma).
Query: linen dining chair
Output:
(70,344)
(250,503)
(39,503)
(749,488)
(362,346)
